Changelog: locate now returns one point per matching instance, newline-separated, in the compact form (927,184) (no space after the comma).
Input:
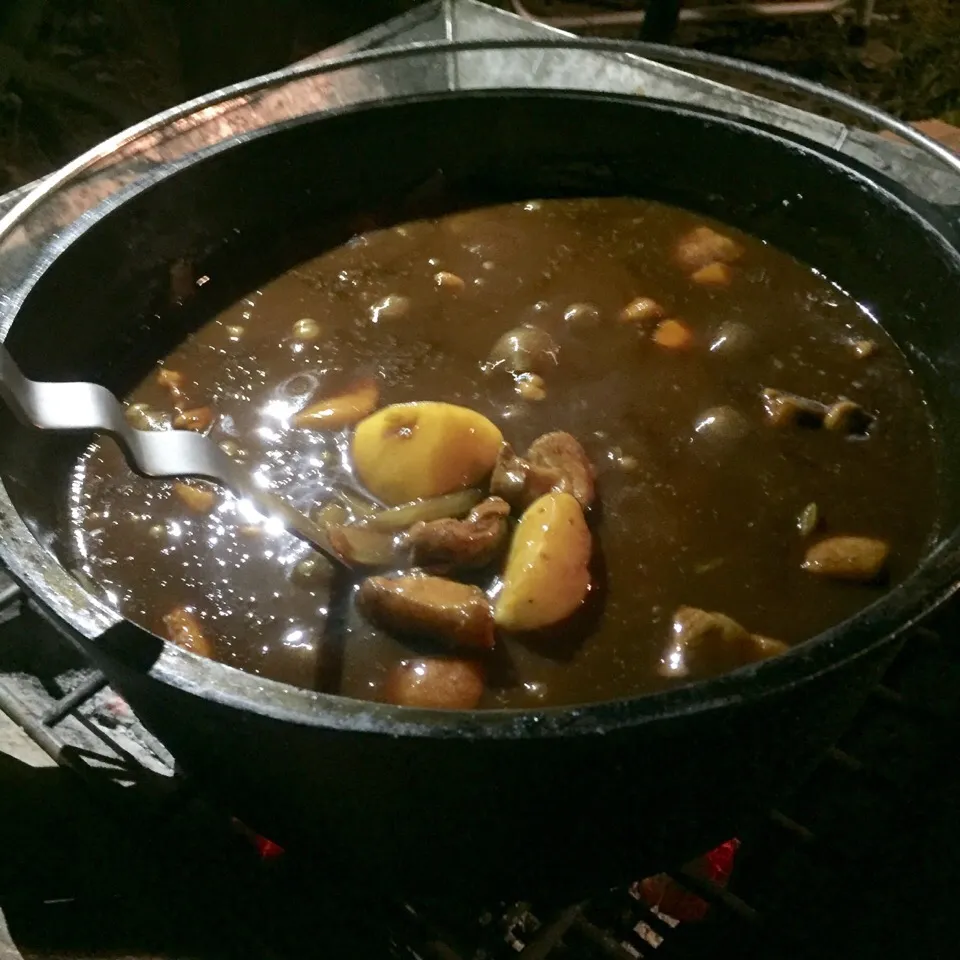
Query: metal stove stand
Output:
(162,858)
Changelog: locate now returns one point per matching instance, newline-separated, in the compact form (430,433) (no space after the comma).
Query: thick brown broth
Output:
(685,517)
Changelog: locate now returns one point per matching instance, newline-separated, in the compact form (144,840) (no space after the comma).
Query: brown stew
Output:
(714,451)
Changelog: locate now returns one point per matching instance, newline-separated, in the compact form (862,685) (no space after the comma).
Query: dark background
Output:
(74,71)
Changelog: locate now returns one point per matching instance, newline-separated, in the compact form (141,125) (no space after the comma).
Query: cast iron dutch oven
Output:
(561,798)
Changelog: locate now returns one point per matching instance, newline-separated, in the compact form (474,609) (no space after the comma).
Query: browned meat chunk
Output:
(183,628)
(509,476)
(429,607)
(703,246)
(172,380)
(472,542)
(861,559)
(197,419)
(561,452)
(555,462)
(707,643)
(435,684)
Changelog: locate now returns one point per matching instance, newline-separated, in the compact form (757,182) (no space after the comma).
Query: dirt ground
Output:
(89,67)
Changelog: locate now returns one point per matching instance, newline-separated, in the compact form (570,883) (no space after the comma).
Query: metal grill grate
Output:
(788,869)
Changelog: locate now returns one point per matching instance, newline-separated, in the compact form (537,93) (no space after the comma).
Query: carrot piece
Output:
(673,334)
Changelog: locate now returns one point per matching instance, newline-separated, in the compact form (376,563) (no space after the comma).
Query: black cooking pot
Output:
(506,800)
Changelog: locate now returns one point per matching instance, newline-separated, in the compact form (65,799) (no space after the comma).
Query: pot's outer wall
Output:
(601,801)
(502,818)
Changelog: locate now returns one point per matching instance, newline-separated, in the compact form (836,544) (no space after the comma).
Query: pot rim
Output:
(88,620)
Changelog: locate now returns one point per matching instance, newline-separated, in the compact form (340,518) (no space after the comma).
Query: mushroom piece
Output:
(469,543)
(554,462)
(432,608)
(789,410)
(306,328)
(712,643)
(846,416)
(435,683)
(394,306)
(858,559)
(581,317)
(722,424)
(732,337)
(526,349)
(643,311)
(445,280)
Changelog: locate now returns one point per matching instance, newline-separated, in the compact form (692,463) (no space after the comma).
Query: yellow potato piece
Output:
(547,573)
(425,449)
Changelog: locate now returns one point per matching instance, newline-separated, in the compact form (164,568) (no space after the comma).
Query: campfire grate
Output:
(788,869)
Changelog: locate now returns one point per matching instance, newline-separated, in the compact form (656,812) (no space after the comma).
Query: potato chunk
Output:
(200,499)
(412,450)
(435,683)
(710,643)
(432,608)
(861,559)
(714,274)
(346,408)
(547,575)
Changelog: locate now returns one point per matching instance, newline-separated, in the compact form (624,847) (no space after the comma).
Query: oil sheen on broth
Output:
(713,497)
